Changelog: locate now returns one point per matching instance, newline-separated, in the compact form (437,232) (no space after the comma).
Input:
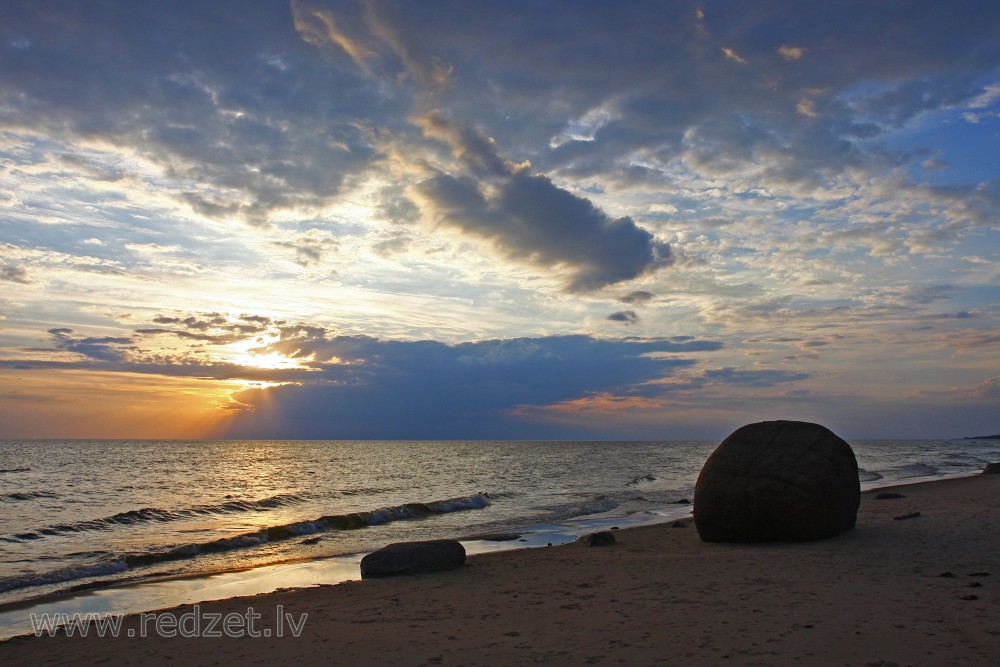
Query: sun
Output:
(245,353)
(269,361)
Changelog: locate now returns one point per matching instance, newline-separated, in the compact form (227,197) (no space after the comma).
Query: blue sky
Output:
(375,219)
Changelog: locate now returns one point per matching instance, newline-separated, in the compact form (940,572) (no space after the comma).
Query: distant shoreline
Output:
(983,437)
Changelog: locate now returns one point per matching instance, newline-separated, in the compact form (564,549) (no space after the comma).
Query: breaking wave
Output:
(868,475)
(641,479)
(154,514)
(352,521)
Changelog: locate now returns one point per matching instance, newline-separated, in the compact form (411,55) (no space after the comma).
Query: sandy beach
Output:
(894,591)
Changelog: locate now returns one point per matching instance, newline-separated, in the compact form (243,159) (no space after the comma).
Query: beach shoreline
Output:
(658,596)
(153,592)
(150,593)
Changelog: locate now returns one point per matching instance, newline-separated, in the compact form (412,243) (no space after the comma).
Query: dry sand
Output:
(873,596)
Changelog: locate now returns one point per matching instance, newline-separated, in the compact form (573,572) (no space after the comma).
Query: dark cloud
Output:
(14,274)
(257,319)
(960,315)
(200,323)
(529,219)
(418,389)
(215,339)
(213,328)
(101,349)
(637,297)
(477,153)
(626,316)
(362,386)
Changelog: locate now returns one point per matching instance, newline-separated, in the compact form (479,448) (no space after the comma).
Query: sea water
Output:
(78,514)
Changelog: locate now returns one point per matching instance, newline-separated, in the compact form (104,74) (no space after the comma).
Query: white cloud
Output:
(732,55)
(791,52)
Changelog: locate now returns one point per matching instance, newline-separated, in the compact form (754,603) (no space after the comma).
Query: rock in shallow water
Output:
(413,558)
(777,481)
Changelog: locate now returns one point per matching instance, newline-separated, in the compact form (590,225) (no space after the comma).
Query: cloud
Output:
(532,221)
(935,163)
(802,173)
(213,320)
(14,274)
(390,389)
(214,328)
(333,385)
(732,55)
(989,389)
(310,246)
(478,154)
(392,245)
(232,130)
(529,219)
(216,339)
(791,52)
(807,107)
(428,70)
(318,26)
(753,378)
(638,297)
(107,348)
(625,316)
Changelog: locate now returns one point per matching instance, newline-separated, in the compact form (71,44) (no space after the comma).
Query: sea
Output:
(79,515)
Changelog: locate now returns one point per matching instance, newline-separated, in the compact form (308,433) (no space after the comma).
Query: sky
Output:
(472,220)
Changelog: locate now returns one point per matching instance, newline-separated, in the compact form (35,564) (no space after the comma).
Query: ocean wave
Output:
(155,514)
(6,470)
(641,479)
(868,475)
(26,495)
(595,505)
(61,575)
(502,495)
(917,470)
(352,521)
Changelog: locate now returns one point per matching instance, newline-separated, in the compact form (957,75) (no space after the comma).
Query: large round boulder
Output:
(777,481)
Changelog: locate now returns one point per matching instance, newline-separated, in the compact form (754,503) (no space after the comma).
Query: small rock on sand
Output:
(601,539)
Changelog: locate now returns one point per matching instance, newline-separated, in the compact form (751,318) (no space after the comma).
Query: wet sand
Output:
(874,596)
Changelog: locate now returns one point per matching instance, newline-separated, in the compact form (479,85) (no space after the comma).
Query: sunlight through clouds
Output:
(708,211)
